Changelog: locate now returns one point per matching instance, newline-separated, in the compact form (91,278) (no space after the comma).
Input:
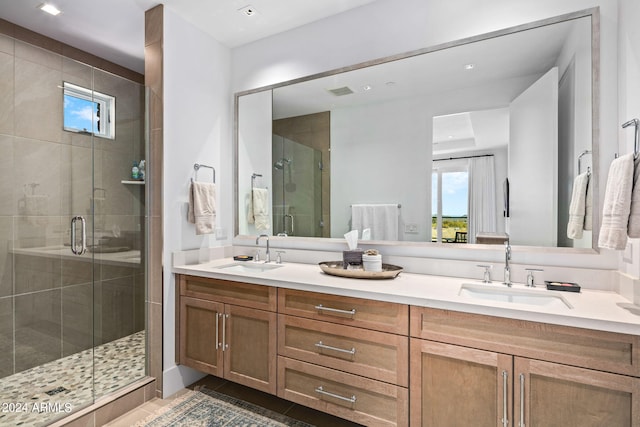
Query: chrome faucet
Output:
(268,256)
(507,269)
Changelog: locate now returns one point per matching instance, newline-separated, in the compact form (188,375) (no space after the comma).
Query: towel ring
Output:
(197,166)
(636,124)
(584,153)
(253,179)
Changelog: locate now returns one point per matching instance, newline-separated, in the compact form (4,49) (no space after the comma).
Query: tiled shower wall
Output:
(48,306)
(313,130)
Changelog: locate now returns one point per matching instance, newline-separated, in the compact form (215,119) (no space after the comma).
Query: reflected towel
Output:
(588,207)
(202,207)
(258,209)
(382,219)
(633,228)
(617,204)
(577,207)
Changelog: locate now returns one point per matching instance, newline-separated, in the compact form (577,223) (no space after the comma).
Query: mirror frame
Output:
(593,13)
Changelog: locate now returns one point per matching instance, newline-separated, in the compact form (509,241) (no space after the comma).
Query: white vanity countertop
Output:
(591,309)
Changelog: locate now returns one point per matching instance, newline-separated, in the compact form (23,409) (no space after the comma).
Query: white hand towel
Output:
(577,207)
(633,228)
(617,204)
(382,219)
(202,207)
(258,209)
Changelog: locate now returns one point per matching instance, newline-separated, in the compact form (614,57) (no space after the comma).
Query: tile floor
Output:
(47,392)
(259,398)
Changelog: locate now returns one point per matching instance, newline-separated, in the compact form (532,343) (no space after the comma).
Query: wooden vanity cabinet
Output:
(455,385)
(477,370)
(228,329)
(344,356)
(551,394)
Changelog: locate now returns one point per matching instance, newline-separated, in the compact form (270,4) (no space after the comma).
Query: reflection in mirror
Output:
(420,147)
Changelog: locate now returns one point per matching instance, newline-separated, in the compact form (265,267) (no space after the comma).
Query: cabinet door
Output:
(199,335)
(459,386)
(250,347)
(549,394)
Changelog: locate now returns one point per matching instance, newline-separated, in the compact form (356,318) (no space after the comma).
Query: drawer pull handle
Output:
(321,346)
(351,312)
(351,400)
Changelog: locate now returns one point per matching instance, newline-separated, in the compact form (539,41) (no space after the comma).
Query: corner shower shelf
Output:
(132,182)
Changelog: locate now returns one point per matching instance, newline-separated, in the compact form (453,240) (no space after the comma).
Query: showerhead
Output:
(280,163)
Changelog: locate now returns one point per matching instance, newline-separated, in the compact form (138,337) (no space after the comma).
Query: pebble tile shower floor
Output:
(45,393)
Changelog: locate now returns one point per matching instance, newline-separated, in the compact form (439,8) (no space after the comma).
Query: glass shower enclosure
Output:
(72,252)
(297,188)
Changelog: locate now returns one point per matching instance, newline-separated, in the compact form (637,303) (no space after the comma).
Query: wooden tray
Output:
(335,268)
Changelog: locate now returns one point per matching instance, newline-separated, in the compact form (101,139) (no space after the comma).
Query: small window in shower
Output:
(90,112)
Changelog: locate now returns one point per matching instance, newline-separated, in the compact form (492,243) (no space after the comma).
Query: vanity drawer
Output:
(378,355)
(362,313)
(362,400)
(230,292)
(600,350)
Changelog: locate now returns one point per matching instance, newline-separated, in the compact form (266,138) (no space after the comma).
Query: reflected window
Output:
(88,111)
(450,204)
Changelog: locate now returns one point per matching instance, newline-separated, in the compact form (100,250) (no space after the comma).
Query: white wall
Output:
(363,171)
(197,129)
(254,154)
(629,103)
(388,27)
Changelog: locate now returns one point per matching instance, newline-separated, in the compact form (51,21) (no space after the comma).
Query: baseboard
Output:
(178,377)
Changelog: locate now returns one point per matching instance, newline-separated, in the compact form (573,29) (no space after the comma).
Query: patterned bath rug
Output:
(207,408)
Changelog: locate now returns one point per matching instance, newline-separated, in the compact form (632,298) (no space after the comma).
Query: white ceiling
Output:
(114,29)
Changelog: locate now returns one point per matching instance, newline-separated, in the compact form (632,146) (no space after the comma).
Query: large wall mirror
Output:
(466,142)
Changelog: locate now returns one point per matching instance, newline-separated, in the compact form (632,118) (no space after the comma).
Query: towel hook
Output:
(636,124)
(197,166)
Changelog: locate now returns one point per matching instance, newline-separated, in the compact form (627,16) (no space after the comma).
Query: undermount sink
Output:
(249,267)
(517,296)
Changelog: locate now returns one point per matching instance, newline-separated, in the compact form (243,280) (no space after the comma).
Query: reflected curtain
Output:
(482,197)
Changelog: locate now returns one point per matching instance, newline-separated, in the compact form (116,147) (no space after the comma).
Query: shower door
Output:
(297,188)
(71,296)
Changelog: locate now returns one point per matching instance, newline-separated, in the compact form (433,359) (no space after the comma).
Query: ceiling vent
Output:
(341,91)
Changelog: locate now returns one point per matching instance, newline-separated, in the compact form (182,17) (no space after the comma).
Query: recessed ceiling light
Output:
(248,10)
(49,8)
(367,87)
(469,66)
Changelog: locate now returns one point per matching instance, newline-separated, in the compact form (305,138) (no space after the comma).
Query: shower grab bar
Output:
(584,153)
(636,124)
(197,166)
(83,236)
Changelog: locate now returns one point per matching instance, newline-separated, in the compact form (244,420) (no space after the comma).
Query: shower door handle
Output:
(83,237)
(285,224)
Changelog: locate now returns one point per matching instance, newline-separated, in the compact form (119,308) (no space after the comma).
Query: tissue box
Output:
(353,257)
